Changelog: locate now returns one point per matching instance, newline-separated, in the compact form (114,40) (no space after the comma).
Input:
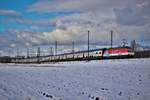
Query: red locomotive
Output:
(121,52)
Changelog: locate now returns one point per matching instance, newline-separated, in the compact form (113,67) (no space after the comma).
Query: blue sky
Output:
(20,7)
(13,11)
(26,23)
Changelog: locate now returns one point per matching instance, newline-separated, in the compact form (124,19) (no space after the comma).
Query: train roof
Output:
(92,50)
(120,47)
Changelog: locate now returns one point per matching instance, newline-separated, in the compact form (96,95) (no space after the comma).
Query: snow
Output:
(126,79)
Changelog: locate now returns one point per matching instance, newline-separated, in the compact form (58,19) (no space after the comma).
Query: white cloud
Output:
(34,22)
(98,16)
(9,13)
(74,5)
(12,45)
(73,28)
(134,14)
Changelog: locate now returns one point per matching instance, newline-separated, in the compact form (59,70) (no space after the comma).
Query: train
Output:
(5,59)
(115,53)
(95,54)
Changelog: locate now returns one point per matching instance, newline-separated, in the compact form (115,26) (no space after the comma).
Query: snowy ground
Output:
(95,80)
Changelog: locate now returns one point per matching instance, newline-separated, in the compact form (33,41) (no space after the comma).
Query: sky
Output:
(27,23)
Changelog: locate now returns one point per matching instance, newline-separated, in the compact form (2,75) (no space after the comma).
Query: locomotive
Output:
(121,52)
(95,54)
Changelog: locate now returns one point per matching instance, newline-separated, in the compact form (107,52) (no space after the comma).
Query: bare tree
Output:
(124,42)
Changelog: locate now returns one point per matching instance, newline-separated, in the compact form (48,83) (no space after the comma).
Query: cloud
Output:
(5,42)
(127,16)
(127,12)
(2,40)
(75,27)
(9,13)
(57,5)
(62,35)
(128,19)
(135,14)
(40,22)
(12,45)
(73,5)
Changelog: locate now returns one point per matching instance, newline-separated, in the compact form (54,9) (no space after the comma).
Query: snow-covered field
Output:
(94,80)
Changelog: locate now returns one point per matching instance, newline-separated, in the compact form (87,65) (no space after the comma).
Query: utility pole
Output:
(9,52)
(38,55)
(17,52)
(51,53)
(51,50)
(73,49)
(55,47)
(27,52)
(111,32)
(88,43)
(17,55)
(31,52)
(55,57)
(133,45)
